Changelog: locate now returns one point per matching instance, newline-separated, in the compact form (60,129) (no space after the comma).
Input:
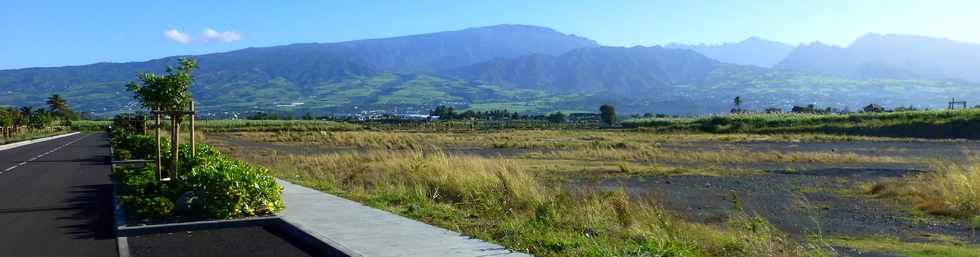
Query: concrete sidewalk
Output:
(359,230)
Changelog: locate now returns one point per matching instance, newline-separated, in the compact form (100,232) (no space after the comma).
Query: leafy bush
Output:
(136,145)
(209,185)
(141,193)
(229,188)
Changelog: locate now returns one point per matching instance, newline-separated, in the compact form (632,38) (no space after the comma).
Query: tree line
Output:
(12,119)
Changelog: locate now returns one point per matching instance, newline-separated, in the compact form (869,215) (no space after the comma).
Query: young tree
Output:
(168,94)
(607,113)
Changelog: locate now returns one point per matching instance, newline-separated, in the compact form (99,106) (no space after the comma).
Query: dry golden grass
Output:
(951,189)
(526,139)
(735,156)
(504,201)
(644,149)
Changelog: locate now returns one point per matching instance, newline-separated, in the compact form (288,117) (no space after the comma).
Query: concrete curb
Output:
(195,225)
(27,142)
(320,242)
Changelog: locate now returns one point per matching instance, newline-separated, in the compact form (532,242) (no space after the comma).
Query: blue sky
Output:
(56,33)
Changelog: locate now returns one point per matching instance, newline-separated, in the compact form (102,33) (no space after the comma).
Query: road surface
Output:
(55,198)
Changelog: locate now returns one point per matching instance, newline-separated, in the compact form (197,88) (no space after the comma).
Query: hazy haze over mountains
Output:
(890,56)
(751,51)
(617,69)
(532,69)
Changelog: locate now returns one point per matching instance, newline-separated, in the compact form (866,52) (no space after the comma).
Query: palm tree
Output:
(26,111)
(737,108)
(59,106)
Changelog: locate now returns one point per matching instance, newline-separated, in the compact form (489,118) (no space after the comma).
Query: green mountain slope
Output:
(497,67)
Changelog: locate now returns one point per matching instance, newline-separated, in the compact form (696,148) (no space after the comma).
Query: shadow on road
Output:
(91,215)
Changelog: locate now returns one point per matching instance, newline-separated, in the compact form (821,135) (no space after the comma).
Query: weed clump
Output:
(950,190)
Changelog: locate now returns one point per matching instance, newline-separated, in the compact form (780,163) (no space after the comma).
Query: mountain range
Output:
(751,51)
(530,69)
(889,56)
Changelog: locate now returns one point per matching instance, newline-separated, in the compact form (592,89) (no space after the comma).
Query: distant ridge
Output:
(890,56)
(751,51)
(617,69)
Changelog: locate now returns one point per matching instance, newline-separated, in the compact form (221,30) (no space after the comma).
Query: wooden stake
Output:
(156,115)
(175,144)
(193,115)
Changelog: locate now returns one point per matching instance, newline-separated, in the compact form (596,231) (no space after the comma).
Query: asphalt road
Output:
(55,198)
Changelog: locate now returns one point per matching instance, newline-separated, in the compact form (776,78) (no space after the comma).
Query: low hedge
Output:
(129,145)
(209,186)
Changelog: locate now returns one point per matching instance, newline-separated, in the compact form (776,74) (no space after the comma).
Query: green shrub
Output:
(156,207)
(123,154)
(230,188)
(137,145)
(141,194)
(223,188)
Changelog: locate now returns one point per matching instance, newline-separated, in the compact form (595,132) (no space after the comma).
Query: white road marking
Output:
(45,153)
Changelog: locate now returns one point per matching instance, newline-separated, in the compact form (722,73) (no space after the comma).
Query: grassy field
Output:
(502,201)
(921,124)
(33,134)
(237,125)
(529,189)
(541,188)
(952,190)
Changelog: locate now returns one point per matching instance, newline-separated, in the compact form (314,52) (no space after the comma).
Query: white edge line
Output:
(27,142)
(48,152)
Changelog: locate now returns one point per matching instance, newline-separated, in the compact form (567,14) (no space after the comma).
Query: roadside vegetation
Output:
(203,184)
(209,185)
(920,124)
(27,122)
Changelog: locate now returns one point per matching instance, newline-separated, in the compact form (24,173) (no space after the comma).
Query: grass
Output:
(90,125)
(500,200)
(32,134)
(596,152)
(654,154)
(275,125)
(910,249)
(236,125)
(920,124)
(524,139)
(950,190)
(518,187)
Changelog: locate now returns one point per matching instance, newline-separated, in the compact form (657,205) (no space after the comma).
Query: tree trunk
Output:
(159,150)
(175,144)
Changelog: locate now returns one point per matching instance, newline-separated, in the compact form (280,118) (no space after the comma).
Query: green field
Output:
(921,124)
